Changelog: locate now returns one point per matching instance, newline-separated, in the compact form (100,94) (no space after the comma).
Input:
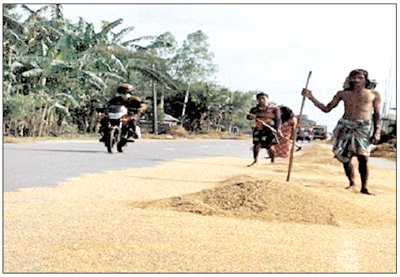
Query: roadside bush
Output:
(178,131)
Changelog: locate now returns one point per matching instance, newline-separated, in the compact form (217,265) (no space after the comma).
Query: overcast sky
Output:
(272,47)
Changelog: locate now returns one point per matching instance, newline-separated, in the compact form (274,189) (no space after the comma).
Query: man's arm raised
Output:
(335,101)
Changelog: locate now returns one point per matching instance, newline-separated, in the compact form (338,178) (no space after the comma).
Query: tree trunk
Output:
(50,121)
(162,99)
(42,121)
(33,127)
(155,127)
(93,122)
(186,100)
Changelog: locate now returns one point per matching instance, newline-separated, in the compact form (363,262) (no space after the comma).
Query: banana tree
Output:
(71,63)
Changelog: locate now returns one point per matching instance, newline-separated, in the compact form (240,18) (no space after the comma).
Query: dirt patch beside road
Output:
(206,215)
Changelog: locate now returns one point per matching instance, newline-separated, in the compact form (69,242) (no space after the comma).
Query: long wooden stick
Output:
(266,125)
(272,129)
(296,129)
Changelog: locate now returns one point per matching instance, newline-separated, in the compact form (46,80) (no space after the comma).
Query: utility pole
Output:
(155,127)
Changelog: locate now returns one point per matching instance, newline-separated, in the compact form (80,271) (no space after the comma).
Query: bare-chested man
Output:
(352,134)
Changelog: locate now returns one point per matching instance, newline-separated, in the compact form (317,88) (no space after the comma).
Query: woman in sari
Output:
(289,123)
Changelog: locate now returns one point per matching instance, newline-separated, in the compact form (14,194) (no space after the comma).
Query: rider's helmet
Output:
(125,90)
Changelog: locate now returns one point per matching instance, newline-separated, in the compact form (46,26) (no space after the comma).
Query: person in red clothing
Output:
(289,123)
(267,129)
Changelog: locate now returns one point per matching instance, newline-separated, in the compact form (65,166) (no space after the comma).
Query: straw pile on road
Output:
(206,215)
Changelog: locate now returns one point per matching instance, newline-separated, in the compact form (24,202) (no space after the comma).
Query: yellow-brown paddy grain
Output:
(206,215)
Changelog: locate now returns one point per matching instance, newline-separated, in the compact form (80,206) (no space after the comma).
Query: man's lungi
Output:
(266,137)
(351,137)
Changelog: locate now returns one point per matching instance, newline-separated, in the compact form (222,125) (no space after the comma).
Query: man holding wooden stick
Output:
(352,135)
(267,130)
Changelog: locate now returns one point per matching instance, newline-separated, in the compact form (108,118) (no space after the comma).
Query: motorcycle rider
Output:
(134,104)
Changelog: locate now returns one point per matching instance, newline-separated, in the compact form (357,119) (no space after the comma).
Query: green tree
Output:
(192,63)
(55,73)
(70,63)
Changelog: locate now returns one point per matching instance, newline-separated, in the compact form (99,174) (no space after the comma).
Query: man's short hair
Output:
(261,94)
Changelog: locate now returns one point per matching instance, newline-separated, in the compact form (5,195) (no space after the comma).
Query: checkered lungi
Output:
(350,138)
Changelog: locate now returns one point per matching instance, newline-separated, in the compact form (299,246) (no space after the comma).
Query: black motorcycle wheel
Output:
(111,140)
(119,146)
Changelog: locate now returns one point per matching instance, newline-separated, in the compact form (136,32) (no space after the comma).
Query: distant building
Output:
(168,122)
(307,122)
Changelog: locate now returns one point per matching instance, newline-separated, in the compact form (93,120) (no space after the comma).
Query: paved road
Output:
(46,164)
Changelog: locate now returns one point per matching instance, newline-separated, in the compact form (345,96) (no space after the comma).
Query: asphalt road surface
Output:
(46,164)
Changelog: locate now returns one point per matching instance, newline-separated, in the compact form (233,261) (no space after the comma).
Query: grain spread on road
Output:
(206,215)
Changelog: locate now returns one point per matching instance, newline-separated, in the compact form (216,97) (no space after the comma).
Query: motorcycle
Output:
(118,131)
